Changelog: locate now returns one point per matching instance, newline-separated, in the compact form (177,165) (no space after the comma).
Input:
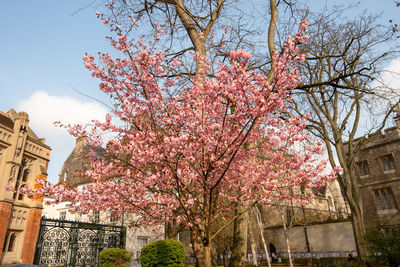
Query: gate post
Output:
(122,237)
(100,243)
(73,243)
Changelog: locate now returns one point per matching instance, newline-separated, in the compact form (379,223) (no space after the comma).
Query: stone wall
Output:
(323,238)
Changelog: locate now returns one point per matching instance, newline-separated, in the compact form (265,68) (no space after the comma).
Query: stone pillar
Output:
(31,235)
(5,212)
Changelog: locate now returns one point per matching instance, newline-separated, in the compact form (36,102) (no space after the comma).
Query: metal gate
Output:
(68,243)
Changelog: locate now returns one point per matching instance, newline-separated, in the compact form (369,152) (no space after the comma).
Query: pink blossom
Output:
(303,25)
(219,138)
(237,54)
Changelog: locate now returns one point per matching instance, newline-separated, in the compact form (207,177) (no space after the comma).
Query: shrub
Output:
(384,243)
(114,257)
(163,253)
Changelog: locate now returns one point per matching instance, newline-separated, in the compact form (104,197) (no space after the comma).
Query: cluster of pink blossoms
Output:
(193,155)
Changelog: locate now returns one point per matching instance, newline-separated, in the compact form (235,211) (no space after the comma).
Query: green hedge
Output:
(114,257)
(163,253)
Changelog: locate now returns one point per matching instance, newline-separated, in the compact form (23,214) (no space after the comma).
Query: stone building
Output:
(71,174)
(24,157)
(327,204)
(74,165)
(378,176)
(320,228)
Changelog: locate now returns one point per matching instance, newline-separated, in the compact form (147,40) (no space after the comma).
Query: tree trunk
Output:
(239,246)
(358,227)
(261,227)
(353,198)
(197,247)
(285,231)
(226,260)
(206,256)
(253,244)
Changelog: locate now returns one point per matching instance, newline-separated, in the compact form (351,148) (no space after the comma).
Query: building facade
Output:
(319,228)
(24,157)
(378,177)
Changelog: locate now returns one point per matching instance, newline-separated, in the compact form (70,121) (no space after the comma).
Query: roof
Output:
(77,163)
(6,121)
(389,135)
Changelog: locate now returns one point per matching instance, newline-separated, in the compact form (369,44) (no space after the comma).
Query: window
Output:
(25,175)
(363,167)
(11,243)
(21,195)
(96,216)
(384,199)
(388,162)
(63,215)
(142,242)
(113,218)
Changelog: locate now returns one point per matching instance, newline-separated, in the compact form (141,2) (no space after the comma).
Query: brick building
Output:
(23,159)
(378,176)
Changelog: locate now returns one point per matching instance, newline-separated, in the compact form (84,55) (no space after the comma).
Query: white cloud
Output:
(391,75)
(387,85)
(389,79)
(44,110)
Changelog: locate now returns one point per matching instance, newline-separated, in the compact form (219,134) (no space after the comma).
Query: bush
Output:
(163,253)
(384,243)
(114,257)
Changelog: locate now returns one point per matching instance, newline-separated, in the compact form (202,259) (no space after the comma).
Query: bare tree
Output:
(344,57)
(395,26)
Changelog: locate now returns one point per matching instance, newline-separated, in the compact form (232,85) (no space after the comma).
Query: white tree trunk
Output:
(285,230)
(261,227)
(253,244)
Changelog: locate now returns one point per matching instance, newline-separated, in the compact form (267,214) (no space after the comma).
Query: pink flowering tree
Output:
(192,153)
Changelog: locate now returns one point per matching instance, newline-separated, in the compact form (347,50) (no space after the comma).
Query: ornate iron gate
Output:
(68,243)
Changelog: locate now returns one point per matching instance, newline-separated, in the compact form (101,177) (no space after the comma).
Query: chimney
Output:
(81,141)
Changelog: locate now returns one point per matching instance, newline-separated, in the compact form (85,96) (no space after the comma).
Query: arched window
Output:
(20,195)
(65,175)
(11,243)
(25,175)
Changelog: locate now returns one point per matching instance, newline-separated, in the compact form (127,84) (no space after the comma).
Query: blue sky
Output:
(41,46)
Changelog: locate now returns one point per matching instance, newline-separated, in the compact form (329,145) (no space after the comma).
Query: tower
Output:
(24,157)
